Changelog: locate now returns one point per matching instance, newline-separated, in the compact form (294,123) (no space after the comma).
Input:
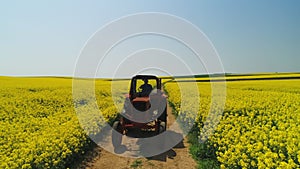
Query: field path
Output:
(177,157)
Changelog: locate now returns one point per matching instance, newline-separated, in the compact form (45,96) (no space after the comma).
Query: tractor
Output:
(145,108)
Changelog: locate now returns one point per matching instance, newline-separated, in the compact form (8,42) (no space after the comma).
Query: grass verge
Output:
(203,153)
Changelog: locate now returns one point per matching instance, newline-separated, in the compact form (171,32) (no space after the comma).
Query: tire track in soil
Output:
(177,157)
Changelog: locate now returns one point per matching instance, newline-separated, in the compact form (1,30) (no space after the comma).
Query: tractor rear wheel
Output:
(116,134)
(162,127)
(163,116)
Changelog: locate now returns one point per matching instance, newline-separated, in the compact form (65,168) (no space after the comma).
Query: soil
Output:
(177,157)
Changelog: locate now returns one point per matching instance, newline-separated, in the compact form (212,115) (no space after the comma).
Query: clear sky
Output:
(45,37)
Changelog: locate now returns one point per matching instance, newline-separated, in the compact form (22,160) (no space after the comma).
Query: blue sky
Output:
(45,37)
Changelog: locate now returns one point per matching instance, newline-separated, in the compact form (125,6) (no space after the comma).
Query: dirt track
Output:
(177,157)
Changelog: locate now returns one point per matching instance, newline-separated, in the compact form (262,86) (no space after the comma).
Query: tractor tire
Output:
(162,127)
(163,116)
(116,134)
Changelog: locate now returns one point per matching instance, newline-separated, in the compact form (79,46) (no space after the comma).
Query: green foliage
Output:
(203,153)
(137,164)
